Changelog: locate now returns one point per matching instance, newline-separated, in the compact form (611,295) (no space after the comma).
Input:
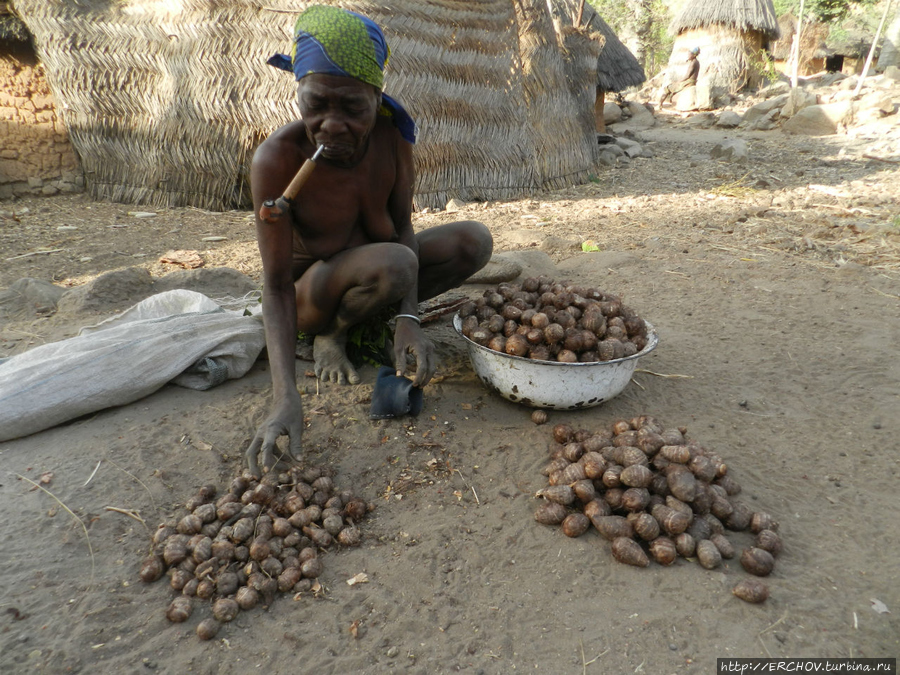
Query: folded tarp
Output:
(179,336)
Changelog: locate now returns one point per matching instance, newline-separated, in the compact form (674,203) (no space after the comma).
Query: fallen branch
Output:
(650,372)
(129,513)
(889,160)
(28,255)
(71,513)
(887,295)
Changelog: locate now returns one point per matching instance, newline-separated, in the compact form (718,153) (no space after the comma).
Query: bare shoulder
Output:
(280,143)
(277,157)
(392,147)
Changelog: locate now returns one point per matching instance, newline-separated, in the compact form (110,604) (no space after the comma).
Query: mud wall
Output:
(36,157)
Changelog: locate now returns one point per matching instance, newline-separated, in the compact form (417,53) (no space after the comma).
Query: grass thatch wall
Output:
(165,102)
(741,15)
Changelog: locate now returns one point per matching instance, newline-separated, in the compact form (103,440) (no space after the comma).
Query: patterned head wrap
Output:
(335,41)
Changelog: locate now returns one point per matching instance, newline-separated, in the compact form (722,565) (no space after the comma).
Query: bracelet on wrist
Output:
(409,316)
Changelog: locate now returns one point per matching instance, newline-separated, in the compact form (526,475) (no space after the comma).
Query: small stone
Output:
(455,205)
(392,652)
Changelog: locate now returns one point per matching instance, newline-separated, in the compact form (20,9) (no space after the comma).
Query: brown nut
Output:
(539,417)
(636,475)
(645,526)
(207,629)
(762,521)
(246,597)
(561,494)
(725,547)
(311,568)
(686,545)
(628,551)
(613,527)
(757,561)
(751,590)
(769,540)
(708,555)
(152,569)
(575,524)
(225,609)
(180,609)
(550,513)
(349,536)
(663,550)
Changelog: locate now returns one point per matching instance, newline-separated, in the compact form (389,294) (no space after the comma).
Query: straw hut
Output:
(813,52)
(732,36)
(165,101)
(617,67)
(848,52)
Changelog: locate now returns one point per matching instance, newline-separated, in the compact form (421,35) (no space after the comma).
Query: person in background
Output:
(692,71)
(345,250)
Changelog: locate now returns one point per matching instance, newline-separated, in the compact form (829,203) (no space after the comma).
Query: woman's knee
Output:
(476,243)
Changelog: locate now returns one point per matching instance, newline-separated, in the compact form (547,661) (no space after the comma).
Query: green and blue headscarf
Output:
(335,41)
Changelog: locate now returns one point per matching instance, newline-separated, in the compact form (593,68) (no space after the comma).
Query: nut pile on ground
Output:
(650,490)
(545,320)
(261,538)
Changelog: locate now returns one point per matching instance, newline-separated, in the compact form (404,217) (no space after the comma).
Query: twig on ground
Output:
(585,664)
(135,478)
(887,295)
(128,512)
(889,160)
(87,537)
(673,376)
(33,253)
(93,473)
(766,630)
(468,486)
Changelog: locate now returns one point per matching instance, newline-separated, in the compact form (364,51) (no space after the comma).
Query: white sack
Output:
(179,336)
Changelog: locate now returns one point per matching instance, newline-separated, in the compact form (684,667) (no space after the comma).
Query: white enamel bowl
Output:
(548,384)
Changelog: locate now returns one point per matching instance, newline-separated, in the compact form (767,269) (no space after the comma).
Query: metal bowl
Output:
(549,384)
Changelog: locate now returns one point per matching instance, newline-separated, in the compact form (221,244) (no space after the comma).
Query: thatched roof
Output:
(165,102)
(617,67)
(12,29)
(853,43)
(743,15)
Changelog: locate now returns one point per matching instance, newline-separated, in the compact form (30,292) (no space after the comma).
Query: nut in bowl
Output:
(552,384)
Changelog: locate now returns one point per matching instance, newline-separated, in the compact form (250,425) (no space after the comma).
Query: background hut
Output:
(813,52)
(732,36)
(166,101)
(617,67)
(847,52)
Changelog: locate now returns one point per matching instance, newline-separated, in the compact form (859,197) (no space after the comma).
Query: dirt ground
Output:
(775,288)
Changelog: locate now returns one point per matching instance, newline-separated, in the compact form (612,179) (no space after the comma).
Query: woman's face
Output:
(339,114)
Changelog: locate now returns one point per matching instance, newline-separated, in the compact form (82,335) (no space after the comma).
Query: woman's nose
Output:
(333,125)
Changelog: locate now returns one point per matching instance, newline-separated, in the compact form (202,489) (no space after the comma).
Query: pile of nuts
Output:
(260,538)
(649,489)
(548,321)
